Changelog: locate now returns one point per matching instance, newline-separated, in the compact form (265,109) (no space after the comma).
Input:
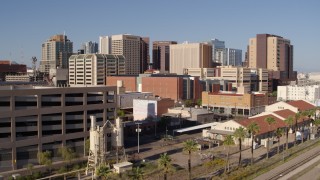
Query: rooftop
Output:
(285,113)
(301,105)
(263,125)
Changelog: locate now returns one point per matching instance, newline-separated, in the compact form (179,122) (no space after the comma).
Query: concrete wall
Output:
(38,119)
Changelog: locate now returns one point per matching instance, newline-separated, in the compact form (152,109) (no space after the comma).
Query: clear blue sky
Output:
(25,25)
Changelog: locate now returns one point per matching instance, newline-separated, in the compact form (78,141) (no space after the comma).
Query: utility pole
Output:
(138,131)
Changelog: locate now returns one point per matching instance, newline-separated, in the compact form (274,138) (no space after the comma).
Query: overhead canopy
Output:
(216,131)
(122,164)
(202,126)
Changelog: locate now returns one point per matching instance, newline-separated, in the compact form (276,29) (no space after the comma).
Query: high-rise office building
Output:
(55,53)
(218,51)
(233,57)
(90,47)
(193,55)
(273,53)
(105,45)
(129,46)
(92,69)
(134,48)
(161,55)
(145,55)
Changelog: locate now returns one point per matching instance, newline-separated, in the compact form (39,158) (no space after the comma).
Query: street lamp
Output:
(166,132)
(179,119)
(138,130)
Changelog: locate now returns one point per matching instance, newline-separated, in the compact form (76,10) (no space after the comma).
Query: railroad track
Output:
(295,166)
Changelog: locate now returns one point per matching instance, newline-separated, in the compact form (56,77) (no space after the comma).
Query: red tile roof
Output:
(285,113)
(301,105)
(263,125)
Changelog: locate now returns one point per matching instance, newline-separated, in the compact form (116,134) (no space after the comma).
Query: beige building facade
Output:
(92,69)
(55,53)
(244,80)
(193,55)
(272,52)
(234,103)
(129,47)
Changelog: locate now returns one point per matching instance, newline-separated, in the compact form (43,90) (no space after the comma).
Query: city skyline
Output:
(32,23)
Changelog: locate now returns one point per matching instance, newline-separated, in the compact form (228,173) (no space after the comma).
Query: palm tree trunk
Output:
(240,148)
(165,176)
(295,133)
(225,168)
(287,137)
(228,158)
(268,148)
(302,132)
(251,150)
(278,145)
(189,165)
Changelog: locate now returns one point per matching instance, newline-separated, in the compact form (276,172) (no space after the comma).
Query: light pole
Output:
(138,130)
(166,131)
(180,119)
(283,150)
(155,127)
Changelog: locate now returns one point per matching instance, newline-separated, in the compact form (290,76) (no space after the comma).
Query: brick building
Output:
(8,67)
(176,87)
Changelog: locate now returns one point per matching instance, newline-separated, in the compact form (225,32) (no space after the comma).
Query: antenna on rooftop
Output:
(34,68)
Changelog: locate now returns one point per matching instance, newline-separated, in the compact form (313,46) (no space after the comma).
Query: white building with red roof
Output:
(295,106)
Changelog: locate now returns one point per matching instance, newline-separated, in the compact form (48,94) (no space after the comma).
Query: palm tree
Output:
(190,146)
(240,134)
(136,174)
(317,124)
(164,163)
(253,129)
(30,168)
(67,154)
(304,114)
(45,158)
(312,113)
(270,121)
(279,133)
(228,142)
(289,123)
(312,117)
(103,171)
(297,117)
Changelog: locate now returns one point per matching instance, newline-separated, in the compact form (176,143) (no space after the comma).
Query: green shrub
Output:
(63,169)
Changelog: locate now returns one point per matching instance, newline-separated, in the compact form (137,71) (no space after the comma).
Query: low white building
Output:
(295,106)
(125,100)
(308,93)
(18,78)
(220,130)
(152,107)
(122,167)
(200,115)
